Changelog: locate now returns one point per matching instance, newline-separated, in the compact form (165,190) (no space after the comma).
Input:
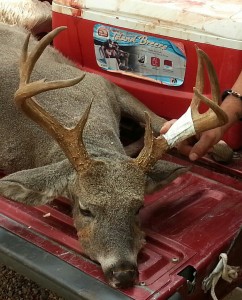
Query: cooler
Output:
(148,46)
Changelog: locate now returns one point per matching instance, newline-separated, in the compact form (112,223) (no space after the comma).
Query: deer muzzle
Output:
(122,275)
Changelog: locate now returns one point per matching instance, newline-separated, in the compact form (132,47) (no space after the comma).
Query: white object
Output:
(181,129)
(216,22)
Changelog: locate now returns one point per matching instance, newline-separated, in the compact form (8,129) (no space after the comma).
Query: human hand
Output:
(197,146)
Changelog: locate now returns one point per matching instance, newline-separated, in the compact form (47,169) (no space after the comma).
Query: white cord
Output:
(228,273)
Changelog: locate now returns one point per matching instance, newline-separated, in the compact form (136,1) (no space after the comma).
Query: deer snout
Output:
(122,275)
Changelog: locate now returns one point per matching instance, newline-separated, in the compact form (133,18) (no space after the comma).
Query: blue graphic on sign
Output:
(139,55)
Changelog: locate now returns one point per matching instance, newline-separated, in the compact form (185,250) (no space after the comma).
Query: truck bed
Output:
(188,224)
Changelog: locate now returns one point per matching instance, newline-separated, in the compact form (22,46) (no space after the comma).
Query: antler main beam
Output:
(70,140)
(191,123)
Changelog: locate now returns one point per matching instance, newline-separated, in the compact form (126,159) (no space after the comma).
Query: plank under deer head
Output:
(107,193)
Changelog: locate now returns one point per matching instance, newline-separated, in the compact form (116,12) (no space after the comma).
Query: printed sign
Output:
(139,55)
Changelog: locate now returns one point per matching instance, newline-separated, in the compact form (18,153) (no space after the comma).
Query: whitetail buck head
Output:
(107,192)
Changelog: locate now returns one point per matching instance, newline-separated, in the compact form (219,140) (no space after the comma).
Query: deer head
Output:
(107,194)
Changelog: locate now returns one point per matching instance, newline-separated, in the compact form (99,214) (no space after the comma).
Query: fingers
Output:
(167,126)
(185,147)
(205,143)
(196,149)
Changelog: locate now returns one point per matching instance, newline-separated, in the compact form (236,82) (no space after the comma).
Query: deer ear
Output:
(162,174)
(37,186)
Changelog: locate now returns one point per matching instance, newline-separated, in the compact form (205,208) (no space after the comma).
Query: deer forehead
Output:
(117,198)
(111,204)
(111,177)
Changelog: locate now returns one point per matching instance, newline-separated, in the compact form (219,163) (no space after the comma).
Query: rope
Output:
(228,273)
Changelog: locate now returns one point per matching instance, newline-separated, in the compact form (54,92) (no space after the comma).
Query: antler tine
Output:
(214,116)
(199,79)
(77,133)
(203,57)
(153,148)
(70,140)
(189,124)
(27,62)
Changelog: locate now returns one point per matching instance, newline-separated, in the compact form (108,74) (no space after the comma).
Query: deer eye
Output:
(86,212)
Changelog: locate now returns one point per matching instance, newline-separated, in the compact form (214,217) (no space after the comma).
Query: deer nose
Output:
(122,276)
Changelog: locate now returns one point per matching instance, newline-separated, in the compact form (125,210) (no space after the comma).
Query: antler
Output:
(70,140)
(191,123)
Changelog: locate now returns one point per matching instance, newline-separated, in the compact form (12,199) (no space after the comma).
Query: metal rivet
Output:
(142,283)
(175,259)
